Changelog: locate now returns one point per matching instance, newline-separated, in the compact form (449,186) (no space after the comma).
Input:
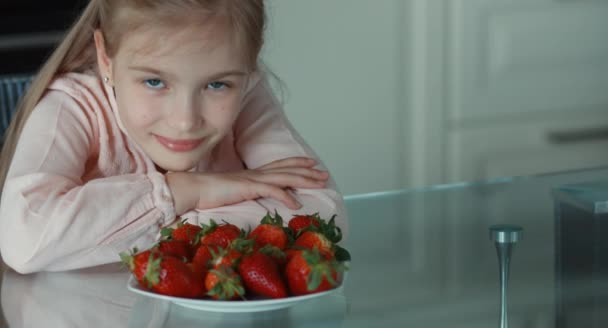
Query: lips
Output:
(179,145)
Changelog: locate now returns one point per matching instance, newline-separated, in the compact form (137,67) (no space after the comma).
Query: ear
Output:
(104,62)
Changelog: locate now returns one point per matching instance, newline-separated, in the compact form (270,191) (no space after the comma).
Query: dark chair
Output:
(12,89)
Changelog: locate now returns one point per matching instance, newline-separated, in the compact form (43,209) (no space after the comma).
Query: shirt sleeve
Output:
(264,134)
(50,219)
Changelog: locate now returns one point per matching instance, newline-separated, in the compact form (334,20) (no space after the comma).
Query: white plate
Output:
(231,306)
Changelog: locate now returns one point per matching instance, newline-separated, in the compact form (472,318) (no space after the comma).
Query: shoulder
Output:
(72,100)
(82,87)
(83,94)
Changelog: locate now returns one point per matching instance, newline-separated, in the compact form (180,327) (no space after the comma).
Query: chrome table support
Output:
(505,237)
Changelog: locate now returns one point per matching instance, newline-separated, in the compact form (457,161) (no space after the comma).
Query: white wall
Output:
(342,64)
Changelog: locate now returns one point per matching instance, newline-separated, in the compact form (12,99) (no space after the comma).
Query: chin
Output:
(182,166)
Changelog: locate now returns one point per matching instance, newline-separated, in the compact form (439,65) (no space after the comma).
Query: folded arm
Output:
(50,219)
(263,134)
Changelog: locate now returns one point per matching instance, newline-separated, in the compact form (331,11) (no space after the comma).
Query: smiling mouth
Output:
(179,145)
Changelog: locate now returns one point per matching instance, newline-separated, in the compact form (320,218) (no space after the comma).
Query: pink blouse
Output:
(79,191)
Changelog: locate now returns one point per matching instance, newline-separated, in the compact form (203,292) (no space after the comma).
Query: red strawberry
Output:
(201,262)
(276,254)
(221,235)
(291,252)
(178,248)
(261,275)
(307,272)
(169,275)
(231,255)
(137,263)
(312,239)
(226,258)
(163,274)
(184,231)
(224,283)
(299,222)
(325,239)
(270,231)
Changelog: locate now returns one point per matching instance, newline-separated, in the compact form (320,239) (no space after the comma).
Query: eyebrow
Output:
(233,72)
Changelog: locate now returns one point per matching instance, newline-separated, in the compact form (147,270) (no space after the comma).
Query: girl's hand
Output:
(209,190)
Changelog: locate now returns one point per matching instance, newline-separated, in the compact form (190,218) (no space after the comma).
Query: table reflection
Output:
(95,297)
(98,297)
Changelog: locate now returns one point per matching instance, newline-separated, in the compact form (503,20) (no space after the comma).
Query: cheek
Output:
(224,114)
(139,113)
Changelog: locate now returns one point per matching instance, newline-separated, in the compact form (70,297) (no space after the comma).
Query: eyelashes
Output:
(158,84)
(217,85)
(155,84)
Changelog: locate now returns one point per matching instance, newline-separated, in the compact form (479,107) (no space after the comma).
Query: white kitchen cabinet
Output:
(566,142)
(403,93)
(522,88)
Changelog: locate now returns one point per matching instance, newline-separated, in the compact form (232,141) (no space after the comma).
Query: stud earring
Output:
(106,79)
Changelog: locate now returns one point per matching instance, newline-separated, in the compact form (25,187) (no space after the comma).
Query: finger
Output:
(301,171)
(280,194)
(289,180)
(290,162)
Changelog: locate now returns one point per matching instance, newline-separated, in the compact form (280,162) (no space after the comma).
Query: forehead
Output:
(165,42)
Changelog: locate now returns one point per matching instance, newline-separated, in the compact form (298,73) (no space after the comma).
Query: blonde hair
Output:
(115,18)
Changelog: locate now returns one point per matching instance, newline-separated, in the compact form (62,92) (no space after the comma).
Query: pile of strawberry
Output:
(221,261)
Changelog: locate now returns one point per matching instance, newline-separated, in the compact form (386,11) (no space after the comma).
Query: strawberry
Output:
(279,256)
(308,272)
(178,248)
(224,283)
(226,258)
(170,276)
(299,222)
(221,235)
(231,255)
(312,239)
(291,252)
(270,231)
(201,261)
(163,274)
(261,275)
(325,238)
(137,263)
(185,232)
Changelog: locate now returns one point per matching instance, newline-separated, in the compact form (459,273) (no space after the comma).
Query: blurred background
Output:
(408,93)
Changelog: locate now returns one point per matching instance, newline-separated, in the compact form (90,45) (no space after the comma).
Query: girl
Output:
(149,110)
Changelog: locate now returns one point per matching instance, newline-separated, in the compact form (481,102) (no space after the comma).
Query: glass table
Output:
(420,258)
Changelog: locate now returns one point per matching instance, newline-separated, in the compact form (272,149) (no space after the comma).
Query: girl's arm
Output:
(263,134)
(51,217)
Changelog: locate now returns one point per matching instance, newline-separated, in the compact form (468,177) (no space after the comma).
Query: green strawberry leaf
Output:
(126,259)
(152,275)
(341,254)
(166,232)
(314,280)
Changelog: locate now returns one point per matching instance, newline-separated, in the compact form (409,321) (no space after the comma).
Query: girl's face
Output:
(178,90)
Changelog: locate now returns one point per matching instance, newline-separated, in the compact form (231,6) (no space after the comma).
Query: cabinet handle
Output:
(577,136)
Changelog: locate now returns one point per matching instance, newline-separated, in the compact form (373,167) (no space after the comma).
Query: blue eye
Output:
(154,83)
(217,85)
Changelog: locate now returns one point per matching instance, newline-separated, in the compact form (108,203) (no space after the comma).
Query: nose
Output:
(184,115)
